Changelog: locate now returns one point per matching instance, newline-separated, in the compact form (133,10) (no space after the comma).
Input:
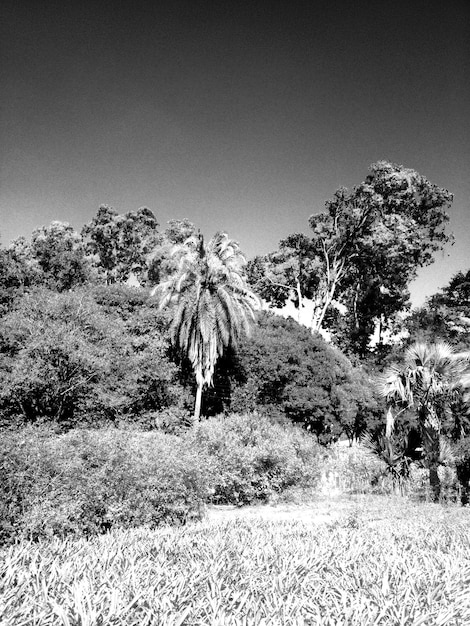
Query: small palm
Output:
(429,382)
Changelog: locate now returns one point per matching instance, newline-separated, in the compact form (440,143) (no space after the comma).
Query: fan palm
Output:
(211,306)
(428,382)
(393,452)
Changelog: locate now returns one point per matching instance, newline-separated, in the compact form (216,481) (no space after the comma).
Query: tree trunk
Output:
(322,302)
(431,444)
(300,302)
(197,405)
(434,482)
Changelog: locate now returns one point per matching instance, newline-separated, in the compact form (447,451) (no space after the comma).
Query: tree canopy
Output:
(283,367)
(121,244)
(365,249)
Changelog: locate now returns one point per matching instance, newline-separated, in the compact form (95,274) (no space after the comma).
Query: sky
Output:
(240,116)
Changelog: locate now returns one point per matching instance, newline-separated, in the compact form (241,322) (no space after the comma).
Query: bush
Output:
(87,482)
(251,458)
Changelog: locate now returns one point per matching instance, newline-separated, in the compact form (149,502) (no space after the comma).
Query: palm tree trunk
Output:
(434,482)
(431,444)
(197,405)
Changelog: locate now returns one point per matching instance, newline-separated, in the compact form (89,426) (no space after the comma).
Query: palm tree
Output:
(212,308)
(429,382)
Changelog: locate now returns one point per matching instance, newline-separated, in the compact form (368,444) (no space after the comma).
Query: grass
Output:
(377,561)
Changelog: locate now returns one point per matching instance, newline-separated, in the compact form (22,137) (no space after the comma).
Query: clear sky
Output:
(242,116)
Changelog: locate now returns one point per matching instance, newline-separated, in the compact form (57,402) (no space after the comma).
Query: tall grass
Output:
(392,567)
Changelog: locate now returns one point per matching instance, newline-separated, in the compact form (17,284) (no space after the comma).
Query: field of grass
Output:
(376,561)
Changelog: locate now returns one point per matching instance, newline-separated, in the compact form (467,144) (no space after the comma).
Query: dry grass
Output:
(374,561)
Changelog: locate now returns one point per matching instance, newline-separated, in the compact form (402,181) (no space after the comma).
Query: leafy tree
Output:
(429,382)
(211,306)
(121,244)
(178,231)
(370,243)
(365,249)
(162,262)
(286,274)
(284,369)
(64,360)
(445,316)
(54,257)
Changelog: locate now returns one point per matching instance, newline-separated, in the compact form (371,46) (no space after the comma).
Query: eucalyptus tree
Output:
(371,241)
(211,306)
(365,248)
(429,382)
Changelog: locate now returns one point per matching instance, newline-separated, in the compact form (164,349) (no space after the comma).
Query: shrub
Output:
(87,482)
(251,458)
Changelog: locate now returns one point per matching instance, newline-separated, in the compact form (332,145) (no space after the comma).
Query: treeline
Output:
(85,338)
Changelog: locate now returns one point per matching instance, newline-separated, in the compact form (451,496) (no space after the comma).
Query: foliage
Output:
(429,382)
(253,459)
(365,248)
(396,565)
(55,257)
(14,279)
(162,262)
(88,481)
(122,244)
(285,367)
(396,455)
(377,237)
(64,360)
(445,316)
(288,273)
(211,306)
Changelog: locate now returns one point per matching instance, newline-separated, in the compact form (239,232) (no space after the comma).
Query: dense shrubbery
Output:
(86,482)
(253,459)
(65,359)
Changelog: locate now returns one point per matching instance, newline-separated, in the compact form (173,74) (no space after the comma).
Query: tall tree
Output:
(370,243)
(121,244)
(430,382)
(211,306)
